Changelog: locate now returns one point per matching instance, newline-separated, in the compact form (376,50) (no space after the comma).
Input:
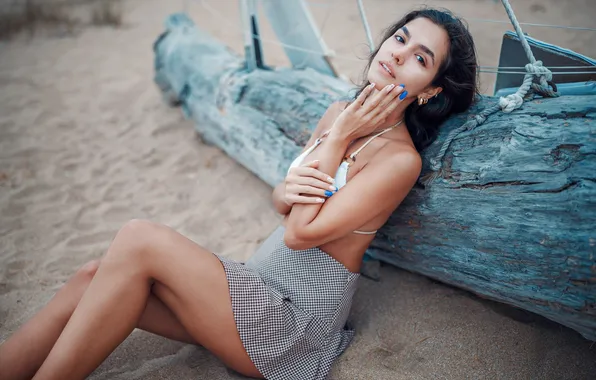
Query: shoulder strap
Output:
(353,155)
(315,144)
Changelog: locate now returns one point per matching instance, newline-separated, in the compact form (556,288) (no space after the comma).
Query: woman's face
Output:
(412,56)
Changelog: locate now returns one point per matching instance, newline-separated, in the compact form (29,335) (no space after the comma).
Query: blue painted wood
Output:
(512,218)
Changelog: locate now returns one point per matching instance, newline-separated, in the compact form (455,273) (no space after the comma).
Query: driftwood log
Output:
(512,217)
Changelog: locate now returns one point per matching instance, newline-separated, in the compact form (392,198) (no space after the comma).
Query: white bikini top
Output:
(341,176)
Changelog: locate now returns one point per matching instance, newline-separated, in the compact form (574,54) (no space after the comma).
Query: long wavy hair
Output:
(457,75)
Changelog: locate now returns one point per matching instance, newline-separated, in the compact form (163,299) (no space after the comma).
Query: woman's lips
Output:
(385,68)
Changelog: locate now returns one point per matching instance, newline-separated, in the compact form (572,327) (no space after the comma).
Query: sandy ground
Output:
(86,144)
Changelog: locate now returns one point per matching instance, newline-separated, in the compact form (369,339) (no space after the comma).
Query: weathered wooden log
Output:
(512,217)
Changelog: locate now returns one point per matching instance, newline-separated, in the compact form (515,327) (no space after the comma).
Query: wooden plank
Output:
(511,219)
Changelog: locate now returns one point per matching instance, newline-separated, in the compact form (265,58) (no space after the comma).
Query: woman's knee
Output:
(89,269)
(133,238)
(86,273)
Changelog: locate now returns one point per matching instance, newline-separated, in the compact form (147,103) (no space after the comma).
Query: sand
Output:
(86,144)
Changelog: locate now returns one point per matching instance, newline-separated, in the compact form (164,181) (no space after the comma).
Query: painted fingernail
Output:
(332,188)
(390,87)
(320,200)
(402,85)
(403,95)
(329,179)
(328,193)
(372,85)
(336,189)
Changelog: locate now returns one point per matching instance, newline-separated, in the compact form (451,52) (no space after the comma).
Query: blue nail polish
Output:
(328,193)
(336,188)
(402,85)
(403,95)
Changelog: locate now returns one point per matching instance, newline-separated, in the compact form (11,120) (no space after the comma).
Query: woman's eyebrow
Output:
(406,31)
(422,47)
(428,51)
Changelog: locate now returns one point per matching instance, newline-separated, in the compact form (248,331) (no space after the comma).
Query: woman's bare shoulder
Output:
(401,152)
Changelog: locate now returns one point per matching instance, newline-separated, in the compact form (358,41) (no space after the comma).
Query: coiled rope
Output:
(507,104)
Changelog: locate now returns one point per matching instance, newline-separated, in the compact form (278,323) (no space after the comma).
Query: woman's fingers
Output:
(314,182)
(306,180)
(389,102)
(295,198)
(359,101)
(311,190)
(389,105)
(371,106)
(308,170)
(305,184)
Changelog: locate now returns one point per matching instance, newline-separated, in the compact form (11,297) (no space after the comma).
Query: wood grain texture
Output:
(512,216)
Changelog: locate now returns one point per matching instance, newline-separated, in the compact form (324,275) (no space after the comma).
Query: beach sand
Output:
(86,144)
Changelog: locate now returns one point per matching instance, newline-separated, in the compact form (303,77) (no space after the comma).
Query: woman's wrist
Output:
(337,136)
(279,200)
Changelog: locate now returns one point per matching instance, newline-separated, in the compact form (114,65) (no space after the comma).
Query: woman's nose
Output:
(398,57)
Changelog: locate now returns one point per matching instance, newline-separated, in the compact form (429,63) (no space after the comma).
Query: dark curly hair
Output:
(457,75)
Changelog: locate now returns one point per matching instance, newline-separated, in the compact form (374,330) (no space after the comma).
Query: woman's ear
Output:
(432,92)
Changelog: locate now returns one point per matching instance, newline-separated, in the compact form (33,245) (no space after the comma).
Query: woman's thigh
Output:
(192,283)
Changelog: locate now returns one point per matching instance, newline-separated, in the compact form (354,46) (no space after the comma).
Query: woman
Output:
(282,314)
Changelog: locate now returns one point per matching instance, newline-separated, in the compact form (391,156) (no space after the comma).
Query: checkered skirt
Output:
(291,309)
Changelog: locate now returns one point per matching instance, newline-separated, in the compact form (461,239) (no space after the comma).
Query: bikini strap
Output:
(353,155)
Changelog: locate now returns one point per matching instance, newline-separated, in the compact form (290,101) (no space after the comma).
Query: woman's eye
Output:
(400,39)
(420,59)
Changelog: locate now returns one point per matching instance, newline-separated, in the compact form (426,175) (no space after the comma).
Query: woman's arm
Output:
(330,114)
(380,186)
(278,199)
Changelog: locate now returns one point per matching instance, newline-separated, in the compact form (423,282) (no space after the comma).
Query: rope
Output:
(556,72)
(483,69)
(523,67)
(506,104)
(273,42)
(334,2)
(532,24)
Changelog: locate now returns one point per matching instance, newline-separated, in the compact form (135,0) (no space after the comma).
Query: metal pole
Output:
(366,27)
(247,8)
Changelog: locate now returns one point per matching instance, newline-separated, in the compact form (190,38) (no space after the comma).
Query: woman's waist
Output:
(348,250)
(311,279)
(274,255)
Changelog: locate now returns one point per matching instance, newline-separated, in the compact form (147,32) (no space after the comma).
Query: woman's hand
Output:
(367,113)
(306,184)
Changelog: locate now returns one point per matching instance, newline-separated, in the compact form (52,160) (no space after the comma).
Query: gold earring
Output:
(422,101)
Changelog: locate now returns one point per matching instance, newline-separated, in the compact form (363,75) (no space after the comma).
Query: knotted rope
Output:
(507,104)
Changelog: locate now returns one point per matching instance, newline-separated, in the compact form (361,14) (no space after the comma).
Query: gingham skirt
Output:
(291,309)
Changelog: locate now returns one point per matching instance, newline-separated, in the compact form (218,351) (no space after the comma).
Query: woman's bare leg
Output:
(24,352)
(146,258)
